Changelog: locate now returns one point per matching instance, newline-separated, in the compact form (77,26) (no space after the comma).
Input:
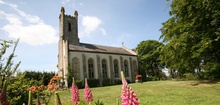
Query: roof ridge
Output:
(101,45)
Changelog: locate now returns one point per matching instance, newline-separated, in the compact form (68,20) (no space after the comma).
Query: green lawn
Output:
(157,93)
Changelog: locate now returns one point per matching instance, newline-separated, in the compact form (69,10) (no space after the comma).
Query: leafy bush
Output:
(128,81)
(106,82)
(17,91)
(212,71)
(93,82)
(69,80)
(79,83)
(190,76)
(153,78)
(118,81)
(43,77)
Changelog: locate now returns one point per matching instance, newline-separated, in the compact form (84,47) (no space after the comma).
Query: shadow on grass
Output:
(210,82)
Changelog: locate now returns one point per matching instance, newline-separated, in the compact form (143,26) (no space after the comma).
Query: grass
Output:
(156,93)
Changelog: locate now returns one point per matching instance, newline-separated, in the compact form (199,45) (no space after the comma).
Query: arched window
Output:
(69,26)
(116,68)
(91,68)
(134,66)
(104,69)
(75,68)
(126,68)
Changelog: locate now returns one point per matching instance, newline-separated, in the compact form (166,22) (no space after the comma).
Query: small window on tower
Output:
(69,26)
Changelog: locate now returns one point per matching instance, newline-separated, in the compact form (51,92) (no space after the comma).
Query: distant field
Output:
(157,93)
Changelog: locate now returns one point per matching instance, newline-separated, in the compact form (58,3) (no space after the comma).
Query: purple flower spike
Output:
(75,93)
(87,92)
(128,96)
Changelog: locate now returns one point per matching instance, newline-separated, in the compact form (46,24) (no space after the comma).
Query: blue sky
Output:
(102,22)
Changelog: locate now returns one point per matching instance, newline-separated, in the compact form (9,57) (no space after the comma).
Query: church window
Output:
(126,68)
(69,26)
(91,68)
(135,65)
(104,69)
(75,68)
(116,68)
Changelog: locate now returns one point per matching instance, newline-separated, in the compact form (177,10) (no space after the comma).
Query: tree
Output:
(6,64)
(18,85)
(192,35)
(17,91)
(42,77)
(148,54)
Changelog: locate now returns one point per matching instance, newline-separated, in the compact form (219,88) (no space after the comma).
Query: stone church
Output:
(91,61)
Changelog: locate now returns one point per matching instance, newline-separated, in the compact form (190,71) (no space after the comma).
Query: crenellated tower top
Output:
(69,27)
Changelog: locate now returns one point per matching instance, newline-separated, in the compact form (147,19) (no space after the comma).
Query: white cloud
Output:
(103,31)
(35,32)
(12,5)
(2,2)
(38,34)
(90,23)
(11,18)
(29,18)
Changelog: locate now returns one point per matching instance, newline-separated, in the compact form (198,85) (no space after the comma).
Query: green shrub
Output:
(79,83)
(153,78)
(118,81)
(69,80)
(93,82)
(128,81)
(42,77)
(17,91)
(211,71)
(106,82)
(190,76)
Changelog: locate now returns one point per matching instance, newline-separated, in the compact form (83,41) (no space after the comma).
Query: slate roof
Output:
(84,47)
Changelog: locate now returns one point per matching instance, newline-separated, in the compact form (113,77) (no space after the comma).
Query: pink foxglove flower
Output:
(128,96)
(87,92)
(75,93)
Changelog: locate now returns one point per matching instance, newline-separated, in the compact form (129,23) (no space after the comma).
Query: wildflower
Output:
(75,93)
(128,95)
(87,92)
(53,85)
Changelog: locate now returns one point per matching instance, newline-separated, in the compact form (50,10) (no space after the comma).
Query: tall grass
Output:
(156,93)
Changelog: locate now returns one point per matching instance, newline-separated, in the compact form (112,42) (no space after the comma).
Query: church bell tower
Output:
(68,28)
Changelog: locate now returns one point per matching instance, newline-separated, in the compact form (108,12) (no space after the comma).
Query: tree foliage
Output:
(17,91)
(7,67)
(192,35)
(148,54)
(42,77)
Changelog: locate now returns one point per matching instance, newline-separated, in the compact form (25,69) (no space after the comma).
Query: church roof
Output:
(85,47)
